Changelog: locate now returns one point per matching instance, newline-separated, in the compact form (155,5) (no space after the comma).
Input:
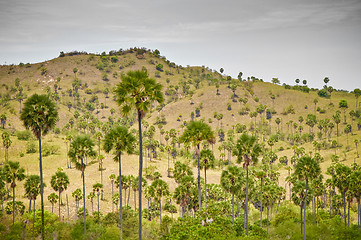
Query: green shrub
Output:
(23,135)
(31,147)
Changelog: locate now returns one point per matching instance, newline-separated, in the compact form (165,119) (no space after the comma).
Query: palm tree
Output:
(40,115)
(232,180)
(112,178)
(7,143)
(80,148)
(306,169)
(137,90)
(134,185)
(59,182)
(32,190)
(207,161)
(355,186)
(247,150)
(98,187)
(341,179)
(78,196)
(91,197)
(196,132)
(13,172)
(53,198)
(68,139)
(261,175)
(3,120)
(119,139)
(160,189)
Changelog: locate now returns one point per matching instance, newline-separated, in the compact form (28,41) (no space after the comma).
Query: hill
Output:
(82,83)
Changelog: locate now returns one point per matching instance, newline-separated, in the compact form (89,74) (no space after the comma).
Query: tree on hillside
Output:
(32,190)
(341,179)
(232,180)
(207,162)
(3,118)
(160,189)
(260,174)
(40,115)
(119,139)
(306,169)
(112,178)
(196,132)
(357,93)
(138,91)
(247,151)
(355,186)
(53,199)
(13,172)
(59,182)
(80,148)
(97,188)
(6,143)
(343,105)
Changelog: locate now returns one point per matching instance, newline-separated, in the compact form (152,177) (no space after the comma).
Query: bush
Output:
(23,135)
(31,147)
(48,149)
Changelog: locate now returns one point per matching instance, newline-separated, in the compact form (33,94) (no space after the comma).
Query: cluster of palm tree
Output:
(246,180)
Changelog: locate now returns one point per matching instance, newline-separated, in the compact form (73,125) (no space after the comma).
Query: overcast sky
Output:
(288,39)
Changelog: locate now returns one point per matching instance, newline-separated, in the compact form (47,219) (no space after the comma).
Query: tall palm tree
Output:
(160,189)
(341,179)
(355,186)
(247,151)
(112,178)
(207,161)
(138,91)
(196,132)
(119,139)
(80,148)
(232,180)
(40,115)
(13,172)
(261,175)
(32,190)
(98,187)
(306,169)
(59,182)
(6,143)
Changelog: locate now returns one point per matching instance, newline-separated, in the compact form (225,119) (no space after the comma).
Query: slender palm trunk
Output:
(348,223)
(205,186)
(304,216)
(199,183)
(140,173)
(232,208)
(317,210)
(84,214)
(59,205)
(29,205)
(98,203)
(33,217)
(246,212)
(120,195)
(267,217)
(41,190)
(261,200)
(13,206)
(344,207)
(301,220)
